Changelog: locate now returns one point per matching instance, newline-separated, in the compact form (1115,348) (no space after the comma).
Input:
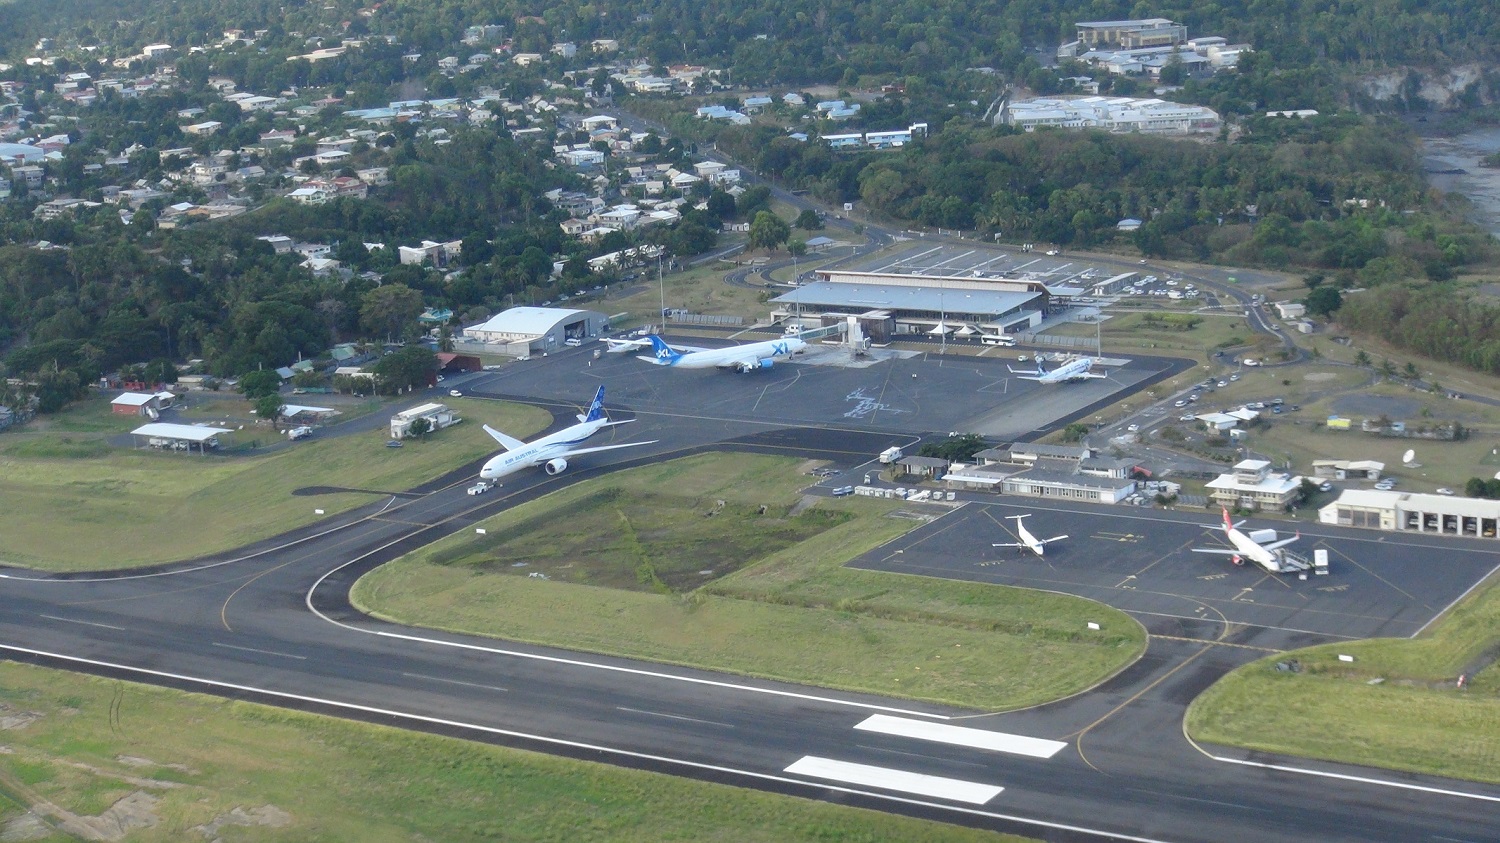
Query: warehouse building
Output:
(438,416)
(525,330)
(1413,513)
(921,304)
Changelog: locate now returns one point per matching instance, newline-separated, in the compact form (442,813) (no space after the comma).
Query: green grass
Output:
(340,780)
(700,290)
(121,507)
(1412,719)
(793,614)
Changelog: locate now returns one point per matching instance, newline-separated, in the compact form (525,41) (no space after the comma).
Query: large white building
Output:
(523,330)
(1254,486)
(1416,513)
(1112,114)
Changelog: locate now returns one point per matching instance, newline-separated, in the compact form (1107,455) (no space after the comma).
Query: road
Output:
(273,624)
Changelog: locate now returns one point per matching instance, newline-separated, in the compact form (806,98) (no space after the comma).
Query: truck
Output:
(299,432)
(891,454)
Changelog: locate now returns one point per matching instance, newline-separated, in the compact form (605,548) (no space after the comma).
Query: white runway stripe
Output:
(888,779)
(961,736)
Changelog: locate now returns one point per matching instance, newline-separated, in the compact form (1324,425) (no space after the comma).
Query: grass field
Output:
(700,290)
(121,507)
(1411,718)
(792,613)
(182,761)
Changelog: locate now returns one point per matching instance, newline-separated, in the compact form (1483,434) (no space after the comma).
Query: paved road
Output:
(273,624)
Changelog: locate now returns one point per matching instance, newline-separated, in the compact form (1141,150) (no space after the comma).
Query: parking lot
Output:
(1141,561)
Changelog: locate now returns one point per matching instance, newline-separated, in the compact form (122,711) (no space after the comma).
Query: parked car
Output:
(480,488)
(1445,491)
(843,491)
(1181,402)
(455,393)
(1186,417)
(1133,428)
(1325,486)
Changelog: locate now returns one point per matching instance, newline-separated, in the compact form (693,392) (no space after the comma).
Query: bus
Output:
(997,339)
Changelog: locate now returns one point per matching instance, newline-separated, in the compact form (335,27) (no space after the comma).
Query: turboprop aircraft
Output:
(1028,541)
(553,450)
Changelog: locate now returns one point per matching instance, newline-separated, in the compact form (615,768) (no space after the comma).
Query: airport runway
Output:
(272,623)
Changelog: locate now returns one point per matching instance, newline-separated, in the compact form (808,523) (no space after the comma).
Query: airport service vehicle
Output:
(480,488)
(744,358)
(299,432)
(997,339)
(553,450)
(891,454)
(843,491)
(455,393)
(1028,541)
(1259,546)
(1073,370)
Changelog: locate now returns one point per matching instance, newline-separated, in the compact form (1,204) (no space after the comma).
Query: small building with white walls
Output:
(1254,486)
(437,415)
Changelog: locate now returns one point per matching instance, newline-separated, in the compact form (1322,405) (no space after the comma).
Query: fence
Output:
(706,319)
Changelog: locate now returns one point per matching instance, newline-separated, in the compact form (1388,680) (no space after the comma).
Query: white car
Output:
(1181,402)
(1234,377)
(1250,362)
(1133,428)
(480,488)
(455,393)
(1445,491)
(1022,358)
(1186,417)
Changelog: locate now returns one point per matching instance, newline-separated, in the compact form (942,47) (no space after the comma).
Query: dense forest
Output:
(1341,193)
(801,41)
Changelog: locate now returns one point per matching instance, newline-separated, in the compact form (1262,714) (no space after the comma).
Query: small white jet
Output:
(1028,541)
(745,358)
(553,450)
(1073,370)
(1259,546)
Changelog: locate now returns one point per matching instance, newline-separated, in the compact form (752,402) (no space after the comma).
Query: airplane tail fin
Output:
(664,353)
(1228,525)
(596,409)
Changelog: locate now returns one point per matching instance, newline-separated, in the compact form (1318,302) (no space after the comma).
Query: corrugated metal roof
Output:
(932,299)
(527,320)
(190,432)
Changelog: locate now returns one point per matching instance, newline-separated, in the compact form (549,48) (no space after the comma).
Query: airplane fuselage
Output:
(743,356)
(548,447)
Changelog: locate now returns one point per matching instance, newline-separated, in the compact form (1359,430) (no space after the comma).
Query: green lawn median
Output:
(716,561)
(122,508)
(1396,705)
(84,753)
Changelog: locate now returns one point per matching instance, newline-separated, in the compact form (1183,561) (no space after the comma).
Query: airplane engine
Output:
(1237,560)
(557,466)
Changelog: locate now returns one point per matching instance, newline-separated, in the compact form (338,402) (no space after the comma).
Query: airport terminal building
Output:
(921,304)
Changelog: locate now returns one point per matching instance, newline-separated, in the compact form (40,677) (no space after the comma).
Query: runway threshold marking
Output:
(572,744)
(264,652)
(85,623)
(961,736)
(886,778)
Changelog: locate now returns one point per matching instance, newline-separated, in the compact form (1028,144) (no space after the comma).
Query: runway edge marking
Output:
(714,683)
(697,765)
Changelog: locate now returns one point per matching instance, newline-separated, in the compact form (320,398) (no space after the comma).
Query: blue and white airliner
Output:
(745,358)
(1073,370)
(553,450)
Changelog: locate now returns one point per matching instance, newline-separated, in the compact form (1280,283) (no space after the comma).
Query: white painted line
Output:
(654,674)
(1361,779)
(961,736)
(85,623)
(453,682)
(885,778)
(264,652)
(624,753)
(673,716)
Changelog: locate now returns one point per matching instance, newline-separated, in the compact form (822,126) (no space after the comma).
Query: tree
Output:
(260,383)
(768,231)
(269,407)
(809,220)
(420,427)
(389,308)
(796,248)
(1075,432)
(408,368)
(1361,358)
(445,338)
(1411,370)
(1324,300)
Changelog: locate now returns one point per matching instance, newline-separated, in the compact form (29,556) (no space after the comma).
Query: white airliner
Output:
(745,358)
(1028,541)
(1260,547)
(1073,370)
(552,451)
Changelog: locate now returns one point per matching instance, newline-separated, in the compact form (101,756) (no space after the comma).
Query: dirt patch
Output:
(138,810)
(1357,406)
(1319,377)
(28,826)
(14,718)
(269,816)
(137,761)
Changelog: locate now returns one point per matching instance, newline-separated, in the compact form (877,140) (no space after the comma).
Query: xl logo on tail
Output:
(663,353)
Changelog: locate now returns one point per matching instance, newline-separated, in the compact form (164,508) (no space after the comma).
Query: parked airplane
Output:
(1073,370)
(1259,546)
(553,450)
(1028,541)
(746,358)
